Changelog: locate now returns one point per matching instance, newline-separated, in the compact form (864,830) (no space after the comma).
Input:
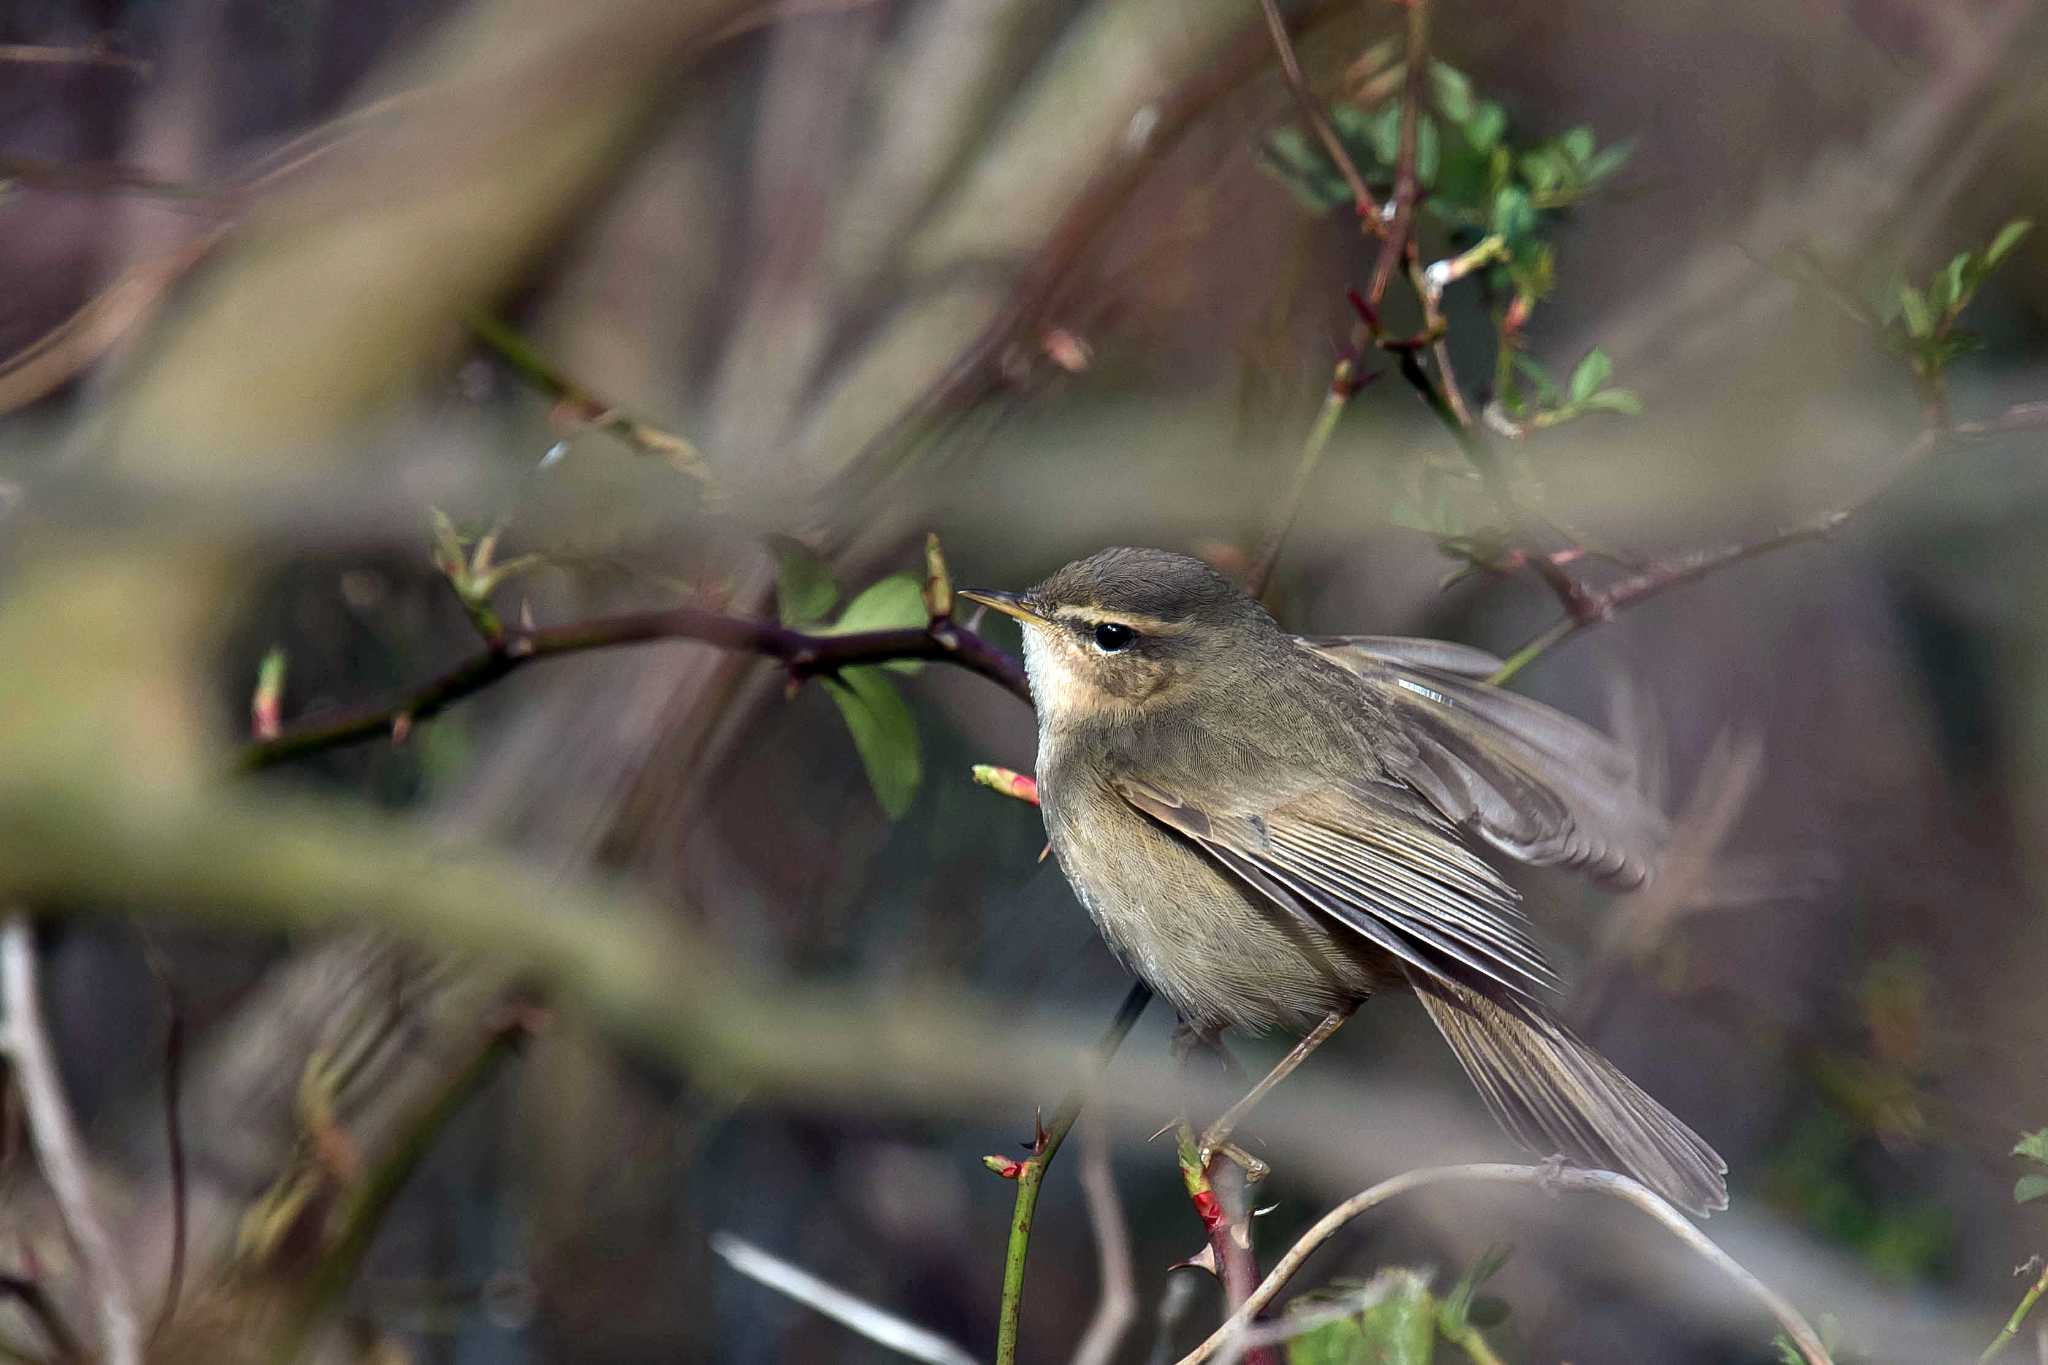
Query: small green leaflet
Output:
(885,734)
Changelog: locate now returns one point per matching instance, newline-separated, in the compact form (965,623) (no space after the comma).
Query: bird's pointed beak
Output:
(1008,603)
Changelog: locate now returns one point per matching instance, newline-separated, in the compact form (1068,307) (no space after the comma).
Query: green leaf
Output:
(892,603)
(2033,1146)
(1397,1328)
(1948,290)
(1428,150)
(2030,1188)
(1623,401)
(1913,308)
(2009,236)
(1400,1329)
(804,590)
(1546,387)
(1513,215)
(1577,144)
(1544,168)
(1590,374)
(1606,162)
(1385,134)
(1483,130)
(1452,91)
(1456,1311)
(884,733)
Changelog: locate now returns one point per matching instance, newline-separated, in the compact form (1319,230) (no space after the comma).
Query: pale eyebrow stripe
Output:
(1093,613)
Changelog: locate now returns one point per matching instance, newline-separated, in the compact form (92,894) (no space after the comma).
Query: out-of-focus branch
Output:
(1118,1306)
(1586,607)
(1030,1172)
(1319,121)
(579,404)
(1541,1177)
(1407,180)
(35,1301)
(804,655)
(59,1150)
(876,1324)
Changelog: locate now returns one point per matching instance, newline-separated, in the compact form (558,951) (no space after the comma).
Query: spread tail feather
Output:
(1553,1093)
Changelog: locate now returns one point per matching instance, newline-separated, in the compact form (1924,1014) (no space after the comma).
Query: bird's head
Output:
(1129,628)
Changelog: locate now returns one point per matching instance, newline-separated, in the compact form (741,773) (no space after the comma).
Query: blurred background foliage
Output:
(721,304)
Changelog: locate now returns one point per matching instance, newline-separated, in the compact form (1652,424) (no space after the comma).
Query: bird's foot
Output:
(1255,1170)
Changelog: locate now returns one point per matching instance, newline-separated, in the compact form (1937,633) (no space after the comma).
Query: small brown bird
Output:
(1266,828)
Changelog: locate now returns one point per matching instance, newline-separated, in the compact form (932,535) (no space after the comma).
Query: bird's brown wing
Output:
(1532,782)
(1349,857)
(1375,865)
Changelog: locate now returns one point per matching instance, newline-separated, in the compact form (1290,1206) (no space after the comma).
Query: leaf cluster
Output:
(877,717)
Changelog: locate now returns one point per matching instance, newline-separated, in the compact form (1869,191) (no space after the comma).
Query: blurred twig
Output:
(174,1138)
(1030,1172)
(364,1208)
(1590,607)
(1117,1308)
(804,655)
(1319,120)
(579,404)
(1541,1177)
(100,52)
(876,1324)
(59,1150)
(64,1344)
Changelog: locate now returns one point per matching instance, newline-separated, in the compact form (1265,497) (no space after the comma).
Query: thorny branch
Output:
(804,655)
(1541,1177)
(58,1148)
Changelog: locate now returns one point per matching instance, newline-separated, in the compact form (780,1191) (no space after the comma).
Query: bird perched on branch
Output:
(1270,828)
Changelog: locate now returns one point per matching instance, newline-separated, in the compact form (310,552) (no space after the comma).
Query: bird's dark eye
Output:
(1112,636)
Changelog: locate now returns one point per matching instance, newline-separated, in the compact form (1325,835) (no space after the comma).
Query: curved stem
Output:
(1542,1177)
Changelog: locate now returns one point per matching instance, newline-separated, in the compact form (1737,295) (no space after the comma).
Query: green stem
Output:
(1555,633)
(1343,384)
(1031,1173)
(2019,1315)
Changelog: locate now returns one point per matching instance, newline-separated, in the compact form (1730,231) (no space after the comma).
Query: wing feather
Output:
(1531,781)
(1331,856)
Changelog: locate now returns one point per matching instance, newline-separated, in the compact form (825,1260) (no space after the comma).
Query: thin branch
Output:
(804,655)
(1541,1177)
(1407,182)
(174,1140)
(580,404)
(1117,1308)
(54,1134)
(2019,1316)
(1030,1172)
(35,1301)
(1590,607)
(1344,383)
(878,1325)
(1319,121)
(98,53)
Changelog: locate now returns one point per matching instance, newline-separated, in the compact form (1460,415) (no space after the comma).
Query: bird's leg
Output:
(1216,1137)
